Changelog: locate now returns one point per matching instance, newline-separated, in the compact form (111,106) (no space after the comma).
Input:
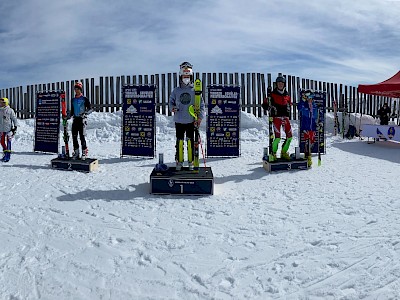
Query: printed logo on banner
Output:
(391,132)
(379,133)
(131,110)
(185,98)
(216,110)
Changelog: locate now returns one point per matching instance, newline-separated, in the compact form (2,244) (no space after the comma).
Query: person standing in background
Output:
(384,114)
(8,127)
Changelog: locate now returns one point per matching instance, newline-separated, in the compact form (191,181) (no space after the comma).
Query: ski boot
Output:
(285,155)
(179,154)
(272,157)
(179,166)
(191,166)
(84,154)
(309,161)
(75,154)
(6,157)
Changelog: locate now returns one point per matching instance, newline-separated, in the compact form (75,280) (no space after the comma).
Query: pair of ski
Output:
(65,126)
(311,138)
(336,118)
(194,111)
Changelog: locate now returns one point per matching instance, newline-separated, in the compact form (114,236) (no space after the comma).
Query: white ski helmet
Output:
(186,69)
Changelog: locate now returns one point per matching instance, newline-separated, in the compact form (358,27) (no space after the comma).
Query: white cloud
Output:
(343,41)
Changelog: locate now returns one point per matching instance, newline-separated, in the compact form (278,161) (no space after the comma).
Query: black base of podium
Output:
(87,165)
(282,165)
(183,182)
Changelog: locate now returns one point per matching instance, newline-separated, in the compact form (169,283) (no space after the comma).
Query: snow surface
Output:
(331,232)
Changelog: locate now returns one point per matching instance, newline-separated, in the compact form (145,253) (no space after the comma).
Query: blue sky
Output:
(340,41)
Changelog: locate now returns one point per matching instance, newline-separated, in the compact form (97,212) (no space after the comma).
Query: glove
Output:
(197,123)
(265,105)
(266,102)
(86,113)
(14,130)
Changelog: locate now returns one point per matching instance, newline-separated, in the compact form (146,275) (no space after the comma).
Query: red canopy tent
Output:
(388,88)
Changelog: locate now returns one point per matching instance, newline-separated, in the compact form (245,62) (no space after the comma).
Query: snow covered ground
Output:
(332,232)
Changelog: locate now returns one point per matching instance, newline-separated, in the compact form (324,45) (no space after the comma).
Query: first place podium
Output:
(183,182)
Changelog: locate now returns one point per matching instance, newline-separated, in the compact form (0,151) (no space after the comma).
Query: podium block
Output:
(183,182)
(282,165)
(87,165)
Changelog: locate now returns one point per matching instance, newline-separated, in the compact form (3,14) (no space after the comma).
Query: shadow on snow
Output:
(384,150)
(140,192)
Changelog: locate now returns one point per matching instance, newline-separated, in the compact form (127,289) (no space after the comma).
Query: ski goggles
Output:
(185,65)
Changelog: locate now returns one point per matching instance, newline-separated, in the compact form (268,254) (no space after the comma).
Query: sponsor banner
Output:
(388,132)
(223,120)
(138,120)
(47,121)
(312,107)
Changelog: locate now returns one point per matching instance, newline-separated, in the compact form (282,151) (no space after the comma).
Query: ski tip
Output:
(198,87)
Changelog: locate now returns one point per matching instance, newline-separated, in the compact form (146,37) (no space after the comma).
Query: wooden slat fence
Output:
(105,93)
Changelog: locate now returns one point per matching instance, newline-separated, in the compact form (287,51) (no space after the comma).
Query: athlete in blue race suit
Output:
(80,108)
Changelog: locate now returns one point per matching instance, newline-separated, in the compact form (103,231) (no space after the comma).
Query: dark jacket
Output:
(278,103)
(384,114)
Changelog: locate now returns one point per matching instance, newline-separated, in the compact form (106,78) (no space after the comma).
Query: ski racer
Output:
(181,98)
(278,105)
